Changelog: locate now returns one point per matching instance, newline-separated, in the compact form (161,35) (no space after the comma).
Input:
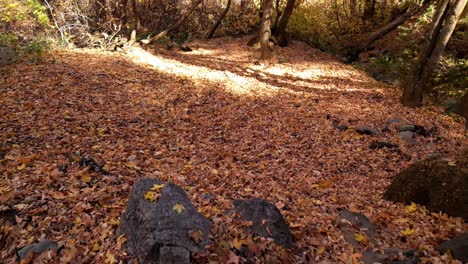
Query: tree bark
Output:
(265,32)
(218,22)
(439,12)
(369,9)
(278,15)
(353,52)
(136,23)
(429,57)
(283,23)
(176,25)
(463,108)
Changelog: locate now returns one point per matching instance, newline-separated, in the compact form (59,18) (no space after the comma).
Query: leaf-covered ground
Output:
(217,123)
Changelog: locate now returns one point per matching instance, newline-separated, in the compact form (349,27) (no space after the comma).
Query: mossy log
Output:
(439,183)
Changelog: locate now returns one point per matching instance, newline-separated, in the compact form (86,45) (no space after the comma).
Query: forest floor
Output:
(214,122)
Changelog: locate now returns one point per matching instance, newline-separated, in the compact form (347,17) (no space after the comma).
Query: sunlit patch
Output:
(247,77)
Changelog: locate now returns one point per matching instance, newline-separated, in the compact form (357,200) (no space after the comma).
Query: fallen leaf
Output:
(86,178)
(150,196)
(178,208)
(408,232)
(196,236)
(320,251)
(110,258)
(411,208)
(237,243)
(361,238)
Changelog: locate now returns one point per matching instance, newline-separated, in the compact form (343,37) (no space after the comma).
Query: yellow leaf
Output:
(150,196)
(178,208)
(401,220)
(110,259)
(131,165)
(325,184)
(21,167)
(237,243)
(95,147)
(411,208)
(408,232)
(361,238)
(157,187)
(452,163)
(120,241)
(86,178)
(320,251)
(96,247)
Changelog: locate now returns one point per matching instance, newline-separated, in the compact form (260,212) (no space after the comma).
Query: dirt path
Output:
(215,123)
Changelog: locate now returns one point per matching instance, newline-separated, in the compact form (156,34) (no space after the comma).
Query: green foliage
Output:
(39,12)
(35,50)
(8,39)
(31,10)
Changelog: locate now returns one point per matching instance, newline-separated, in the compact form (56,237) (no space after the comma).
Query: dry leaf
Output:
(179,208)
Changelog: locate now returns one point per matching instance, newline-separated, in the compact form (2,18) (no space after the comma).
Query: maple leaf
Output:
(21,167)
(178,208)
(196,236)
(361,238)
(110,258)
(157,187)
(237,243)
(96,247)
(233,258)
(150,196)
(320,251)
(408,232)
(411,208)
(120,241)
(86,178)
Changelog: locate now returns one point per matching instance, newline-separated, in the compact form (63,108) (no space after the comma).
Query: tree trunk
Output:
(462,108)
(265,32)
(218,22)
(176,25)
(283,23)
(353,52)
(439,13)
(429,57)
(278,15)
(136,23)
(369,9)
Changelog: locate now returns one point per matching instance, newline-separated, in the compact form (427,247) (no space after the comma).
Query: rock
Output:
(92,164)
(7,56)
(451,106)
(9,216)
(394,121)
(174,255)
(186,48)
(366,130)
(420,130)
(267,220)
(439,183)
(457,246)
(369,256)
(385,130)
(208,197)
(351,223)
(406,136)
(30,251)
(390,256)
(156,231)
(406,127)
(337,125)
(380,145)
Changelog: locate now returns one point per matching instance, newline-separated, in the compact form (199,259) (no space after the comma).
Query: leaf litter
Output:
(215,123)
